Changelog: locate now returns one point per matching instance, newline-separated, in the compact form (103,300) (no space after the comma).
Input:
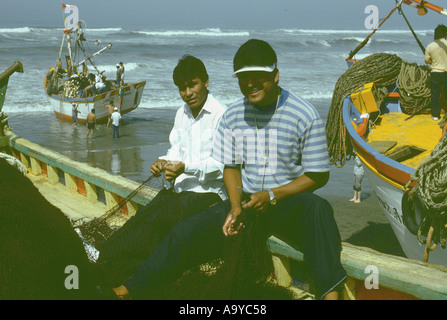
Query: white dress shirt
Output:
(192,142)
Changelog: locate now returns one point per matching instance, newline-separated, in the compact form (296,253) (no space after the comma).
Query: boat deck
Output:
(406,139)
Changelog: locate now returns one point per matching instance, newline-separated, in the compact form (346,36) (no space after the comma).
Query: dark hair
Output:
(254,52)
(188,68)
(440,32)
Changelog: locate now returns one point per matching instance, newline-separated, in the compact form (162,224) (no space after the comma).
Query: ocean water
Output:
(310,62)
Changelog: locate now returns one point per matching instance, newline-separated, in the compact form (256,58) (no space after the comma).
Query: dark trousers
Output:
(305,221)
(437,80)
(116,131)
(130,245)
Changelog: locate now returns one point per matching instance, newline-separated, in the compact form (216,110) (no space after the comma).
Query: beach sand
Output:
(364,224)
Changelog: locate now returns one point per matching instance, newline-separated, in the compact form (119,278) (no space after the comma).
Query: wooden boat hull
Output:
(388,179)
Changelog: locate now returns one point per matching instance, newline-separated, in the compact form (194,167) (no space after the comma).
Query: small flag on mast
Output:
(67,6)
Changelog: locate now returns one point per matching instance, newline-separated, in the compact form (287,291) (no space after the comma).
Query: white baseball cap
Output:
(255,68)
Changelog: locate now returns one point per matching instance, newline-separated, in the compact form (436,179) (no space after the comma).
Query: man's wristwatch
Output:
(272,197)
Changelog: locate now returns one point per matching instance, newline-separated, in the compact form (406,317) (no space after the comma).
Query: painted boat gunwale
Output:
(390,169)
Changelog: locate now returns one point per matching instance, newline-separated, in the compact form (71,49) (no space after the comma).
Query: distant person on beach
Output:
(119,73)
(70,70)
(74,114)
(197,180)
(121,93)
(89,90)
(436,56)
(122,70)
(84,69)
(358,177)
(116,119)
(100,85)
(286,160)
(91,123)
(111,107)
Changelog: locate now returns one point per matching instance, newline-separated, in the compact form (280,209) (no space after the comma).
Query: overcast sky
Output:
(230,14)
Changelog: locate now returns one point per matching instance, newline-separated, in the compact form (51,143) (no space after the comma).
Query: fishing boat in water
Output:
(380,111)
(75,85)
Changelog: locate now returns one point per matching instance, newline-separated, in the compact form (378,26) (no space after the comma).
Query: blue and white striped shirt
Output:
(285,145)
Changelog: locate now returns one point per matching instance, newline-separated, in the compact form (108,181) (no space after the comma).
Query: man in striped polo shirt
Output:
(273,146)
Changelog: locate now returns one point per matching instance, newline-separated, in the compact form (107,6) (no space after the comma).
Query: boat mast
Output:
(79,30)
(69,49)
(361,45)
(60,50)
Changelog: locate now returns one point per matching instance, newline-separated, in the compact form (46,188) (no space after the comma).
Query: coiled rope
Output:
(431,177)
(380,68)
(414,87)
(383,69)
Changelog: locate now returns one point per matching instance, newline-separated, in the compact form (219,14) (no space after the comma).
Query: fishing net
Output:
(245,270)
(98,230)
(129,246)
(37,243)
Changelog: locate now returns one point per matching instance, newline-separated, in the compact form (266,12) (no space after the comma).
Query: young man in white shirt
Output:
(197,180)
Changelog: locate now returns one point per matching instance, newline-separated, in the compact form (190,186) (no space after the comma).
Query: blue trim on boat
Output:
(347,105)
